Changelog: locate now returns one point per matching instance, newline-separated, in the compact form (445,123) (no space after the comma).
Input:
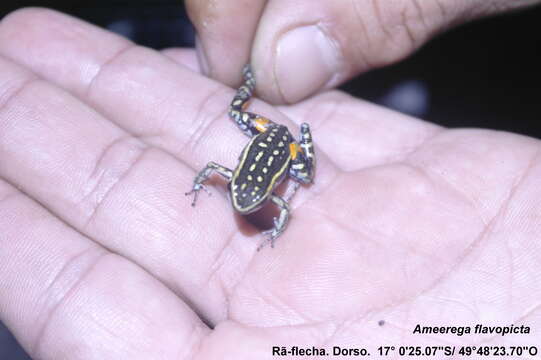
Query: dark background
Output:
(484,74)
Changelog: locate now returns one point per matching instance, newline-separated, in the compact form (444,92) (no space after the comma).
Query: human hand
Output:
(299,47)
(102,255)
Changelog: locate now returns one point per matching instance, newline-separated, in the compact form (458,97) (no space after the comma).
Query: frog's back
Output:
(262,166)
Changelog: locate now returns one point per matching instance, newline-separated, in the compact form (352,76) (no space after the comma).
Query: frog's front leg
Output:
(203,176)
(280,222)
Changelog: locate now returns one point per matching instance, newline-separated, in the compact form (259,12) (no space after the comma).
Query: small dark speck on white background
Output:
(381,322)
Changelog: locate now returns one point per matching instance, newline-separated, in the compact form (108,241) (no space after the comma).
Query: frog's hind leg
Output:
(251,124)
(203,176)
(280,222)
(303,160)
(307,144)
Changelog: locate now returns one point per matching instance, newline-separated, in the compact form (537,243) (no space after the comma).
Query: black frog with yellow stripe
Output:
(270,156)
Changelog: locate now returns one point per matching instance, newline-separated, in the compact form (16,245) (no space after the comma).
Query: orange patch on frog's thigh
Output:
(261,124)
(294,149)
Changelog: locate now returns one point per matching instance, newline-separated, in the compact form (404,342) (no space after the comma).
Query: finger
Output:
(183,56)
(112,187)
(225,31)
(61,291)
(357,134)
(303,46)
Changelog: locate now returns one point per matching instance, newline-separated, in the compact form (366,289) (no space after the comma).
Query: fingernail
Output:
(306,60)
(201,57)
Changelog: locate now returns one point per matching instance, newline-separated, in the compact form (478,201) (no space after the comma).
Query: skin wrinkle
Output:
(431,136)
(196,344)
(202,127)
(20,89)
(104,65)
(330,114)
(473,310)
(35,348)
(217,264)
(383,27)
(420,13)
(111,333)
(427,173)
(337,328)
(249,264)
(443,12)
(364,30)
(100,159)
(137,160)
(65,266)
(528,313)
(346,226)
(407,27)
(7,196)
(511,274)
(279,304)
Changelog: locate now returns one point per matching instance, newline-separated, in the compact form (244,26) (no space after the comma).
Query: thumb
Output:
(303,46)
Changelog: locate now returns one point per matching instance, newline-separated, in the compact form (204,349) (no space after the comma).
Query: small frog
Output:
(270,156)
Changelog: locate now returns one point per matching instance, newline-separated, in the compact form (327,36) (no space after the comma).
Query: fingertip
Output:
(225,31)
(296,55)
(27,11)
(306,61)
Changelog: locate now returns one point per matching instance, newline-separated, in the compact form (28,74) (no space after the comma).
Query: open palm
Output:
(102,256)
